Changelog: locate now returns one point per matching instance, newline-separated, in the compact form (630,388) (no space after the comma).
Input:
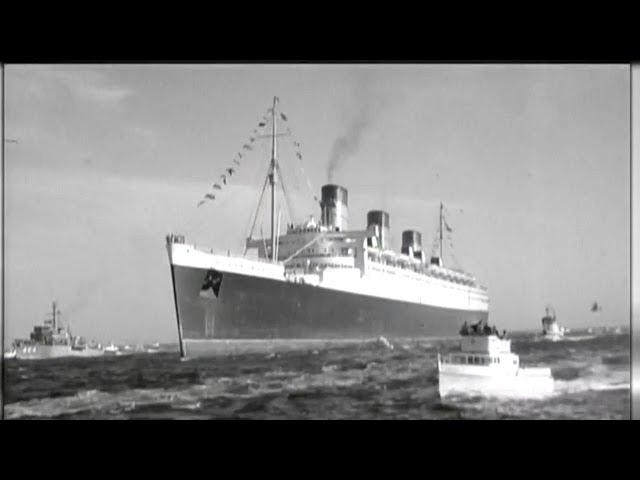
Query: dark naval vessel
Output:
(319,279)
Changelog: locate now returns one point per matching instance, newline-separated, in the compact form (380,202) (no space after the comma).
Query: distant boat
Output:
(53,340)
(550,328)
(111,349)
(10,354)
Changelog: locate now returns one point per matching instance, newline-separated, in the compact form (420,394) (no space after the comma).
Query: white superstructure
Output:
(343,262)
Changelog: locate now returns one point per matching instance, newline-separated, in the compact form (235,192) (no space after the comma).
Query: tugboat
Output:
(550,328)
(486,366)
(53,340)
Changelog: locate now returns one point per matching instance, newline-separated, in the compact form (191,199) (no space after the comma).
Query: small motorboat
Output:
(10,354)
(385,343)
(111,349)
(485,366)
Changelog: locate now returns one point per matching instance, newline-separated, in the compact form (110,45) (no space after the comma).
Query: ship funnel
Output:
(334,204)
(381,219)
(412,244)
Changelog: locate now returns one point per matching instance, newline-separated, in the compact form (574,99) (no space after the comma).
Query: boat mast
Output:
(54,315)
(441,259)
(272,179)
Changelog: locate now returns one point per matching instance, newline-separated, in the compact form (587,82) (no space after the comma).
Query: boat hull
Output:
(253,307)
(520,385)
(40,352)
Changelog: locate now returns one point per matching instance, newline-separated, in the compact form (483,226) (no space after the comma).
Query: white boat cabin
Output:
(481,351)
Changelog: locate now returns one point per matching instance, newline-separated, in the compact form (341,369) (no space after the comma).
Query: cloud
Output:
(83,83)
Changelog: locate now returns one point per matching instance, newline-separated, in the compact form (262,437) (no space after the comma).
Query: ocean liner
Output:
(319,279)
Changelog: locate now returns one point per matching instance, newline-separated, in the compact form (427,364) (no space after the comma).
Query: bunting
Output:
(229,171)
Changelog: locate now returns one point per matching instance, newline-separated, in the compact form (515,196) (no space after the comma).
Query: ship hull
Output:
(247,307)
(40,352)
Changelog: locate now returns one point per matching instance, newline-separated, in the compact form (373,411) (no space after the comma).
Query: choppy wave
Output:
(393,379)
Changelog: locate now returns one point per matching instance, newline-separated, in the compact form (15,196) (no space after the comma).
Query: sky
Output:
(531,161)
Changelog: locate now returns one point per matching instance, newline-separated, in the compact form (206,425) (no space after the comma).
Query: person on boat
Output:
(478,328)
(487,329)
(464,331)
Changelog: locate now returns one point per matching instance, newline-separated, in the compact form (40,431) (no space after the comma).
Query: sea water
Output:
(367,380)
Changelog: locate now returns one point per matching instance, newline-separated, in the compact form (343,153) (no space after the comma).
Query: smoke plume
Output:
(347,145)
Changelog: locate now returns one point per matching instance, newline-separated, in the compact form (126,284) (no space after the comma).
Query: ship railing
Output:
(234,256)
(406,265)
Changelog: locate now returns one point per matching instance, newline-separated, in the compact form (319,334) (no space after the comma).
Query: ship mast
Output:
(441,259)
(273,180)
(54,316)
